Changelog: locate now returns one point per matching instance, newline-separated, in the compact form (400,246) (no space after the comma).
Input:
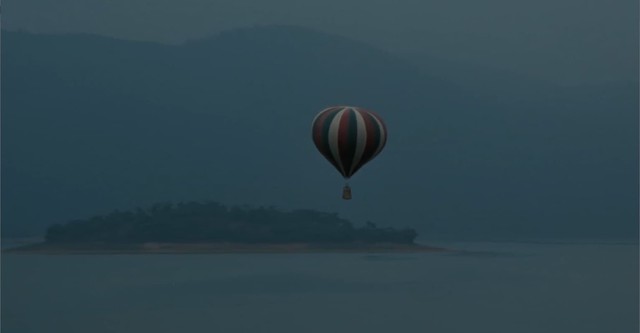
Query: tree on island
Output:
(211,222)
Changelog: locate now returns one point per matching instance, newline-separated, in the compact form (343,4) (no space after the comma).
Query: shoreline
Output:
(217,248)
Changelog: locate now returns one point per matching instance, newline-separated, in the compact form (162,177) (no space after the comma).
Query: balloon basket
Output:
(346,192)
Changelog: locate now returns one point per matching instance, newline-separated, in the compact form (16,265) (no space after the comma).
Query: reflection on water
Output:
(387,257)
(490,287)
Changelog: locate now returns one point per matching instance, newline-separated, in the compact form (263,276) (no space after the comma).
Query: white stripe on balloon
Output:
(333,139)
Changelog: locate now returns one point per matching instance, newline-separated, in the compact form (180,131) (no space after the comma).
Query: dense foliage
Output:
(214,222)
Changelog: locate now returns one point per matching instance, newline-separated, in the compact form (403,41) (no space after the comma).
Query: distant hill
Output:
(92,123)
(211,222)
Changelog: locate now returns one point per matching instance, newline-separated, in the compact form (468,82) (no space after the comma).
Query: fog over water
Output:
(489,287)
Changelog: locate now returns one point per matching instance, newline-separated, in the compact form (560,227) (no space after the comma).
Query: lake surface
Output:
(492,287)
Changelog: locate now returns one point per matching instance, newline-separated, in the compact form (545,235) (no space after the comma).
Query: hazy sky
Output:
(570,41)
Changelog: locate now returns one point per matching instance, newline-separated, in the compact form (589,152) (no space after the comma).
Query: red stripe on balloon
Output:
(318,125)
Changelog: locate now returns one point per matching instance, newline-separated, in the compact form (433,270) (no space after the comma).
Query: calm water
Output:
(496,287)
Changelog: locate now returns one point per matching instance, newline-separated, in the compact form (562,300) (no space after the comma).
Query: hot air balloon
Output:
(348,137)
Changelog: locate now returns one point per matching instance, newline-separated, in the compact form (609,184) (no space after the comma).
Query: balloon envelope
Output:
(348,137)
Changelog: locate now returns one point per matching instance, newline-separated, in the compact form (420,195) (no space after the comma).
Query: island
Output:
(211,227)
